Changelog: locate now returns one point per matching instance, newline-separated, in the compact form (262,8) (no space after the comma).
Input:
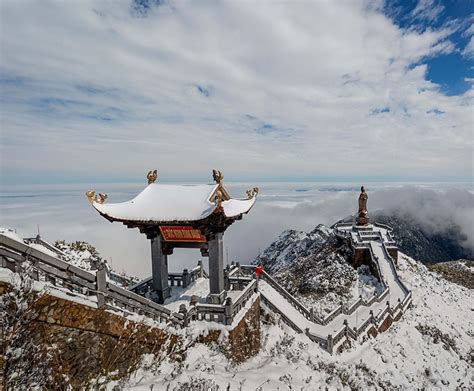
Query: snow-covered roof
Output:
(162,203)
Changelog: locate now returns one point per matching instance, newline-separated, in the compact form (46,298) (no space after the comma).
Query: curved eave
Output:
(237,207)
(149,222)
(232,209)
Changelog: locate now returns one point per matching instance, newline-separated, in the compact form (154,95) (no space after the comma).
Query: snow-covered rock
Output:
(292,245)
(315,267)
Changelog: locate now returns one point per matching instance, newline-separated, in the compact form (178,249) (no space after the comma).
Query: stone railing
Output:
(285,318)
(369,234)
(348,310)
(37,239)
(243,298)
(234,278)
(144,287)
(394,269)
(220,313)
(339,335)
(282,291)
(375,261)
(115,277)
(58,273)
(53,271)
(322,341)
(309,314)
(331,340)
(187,277)
(387,227)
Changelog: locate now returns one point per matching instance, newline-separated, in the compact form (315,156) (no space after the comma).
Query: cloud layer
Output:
(111,89)
(64,213)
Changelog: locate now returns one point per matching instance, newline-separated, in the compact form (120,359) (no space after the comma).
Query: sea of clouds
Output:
(63,212)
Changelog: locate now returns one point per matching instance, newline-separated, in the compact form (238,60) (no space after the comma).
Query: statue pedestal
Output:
(362,220)
(365,227)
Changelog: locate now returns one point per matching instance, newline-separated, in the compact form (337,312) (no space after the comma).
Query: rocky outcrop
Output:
(314,263)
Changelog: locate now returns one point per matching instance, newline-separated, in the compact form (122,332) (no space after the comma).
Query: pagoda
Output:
(180,216)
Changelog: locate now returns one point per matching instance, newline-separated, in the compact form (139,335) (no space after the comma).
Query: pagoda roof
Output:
(167,204)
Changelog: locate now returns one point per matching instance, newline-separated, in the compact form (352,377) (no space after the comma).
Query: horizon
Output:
(415,180)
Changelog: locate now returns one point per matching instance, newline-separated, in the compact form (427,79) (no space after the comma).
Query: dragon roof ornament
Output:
(151,176)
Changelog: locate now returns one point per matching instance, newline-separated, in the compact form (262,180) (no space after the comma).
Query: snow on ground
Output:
(366,284)
(431,347)
(199,289)
(180,295)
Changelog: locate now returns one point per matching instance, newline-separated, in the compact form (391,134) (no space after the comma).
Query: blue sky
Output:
(449,70)
(95,91)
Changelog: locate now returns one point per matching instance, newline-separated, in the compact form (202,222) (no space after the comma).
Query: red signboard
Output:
(181,233)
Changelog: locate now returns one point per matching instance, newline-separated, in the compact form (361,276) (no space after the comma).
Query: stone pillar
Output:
(228,312)
(186,281)
(330,343)
(159,267)
(216,269)
(226,278)
(101,285)
(201,269)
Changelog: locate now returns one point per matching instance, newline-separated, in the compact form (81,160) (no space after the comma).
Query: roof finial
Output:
(90,195)
(252,192)
(218,176)
(100,198)
(152,175)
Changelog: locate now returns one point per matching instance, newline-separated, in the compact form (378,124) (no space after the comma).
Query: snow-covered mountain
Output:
(430,348)
(291,245)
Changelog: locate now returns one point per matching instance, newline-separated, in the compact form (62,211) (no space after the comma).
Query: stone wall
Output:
(65,343)
(61,343)
(244,340)
(384,326)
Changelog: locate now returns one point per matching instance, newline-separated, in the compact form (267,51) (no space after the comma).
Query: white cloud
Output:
(428,10)
(288,88)
(469,31)
(469,49)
